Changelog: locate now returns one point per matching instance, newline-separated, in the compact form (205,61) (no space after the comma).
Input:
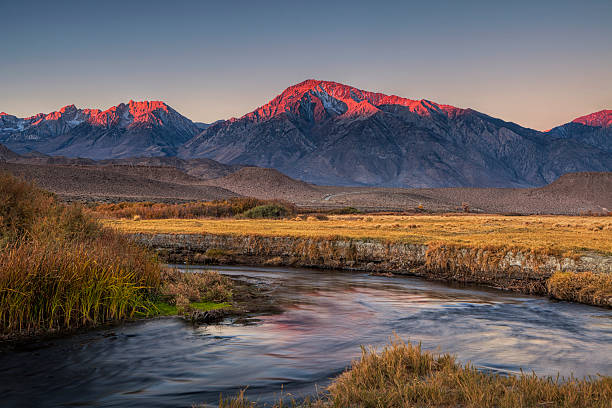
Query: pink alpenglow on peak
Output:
(332,98)
(147,128)
(602,118)
(122,115)
(145,112)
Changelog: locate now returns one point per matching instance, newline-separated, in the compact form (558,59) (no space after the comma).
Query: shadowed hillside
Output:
(106,184)
(171,179)
(267,184)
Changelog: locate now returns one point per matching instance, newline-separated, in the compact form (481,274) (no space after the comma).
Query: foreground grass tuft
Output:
(403,375)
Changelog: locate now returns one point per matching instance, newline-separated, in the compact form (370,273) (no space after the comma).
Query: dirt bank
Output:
(505,268)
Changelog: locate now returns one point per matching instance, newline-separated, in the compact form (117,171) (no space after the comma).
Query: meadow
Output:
(550,234)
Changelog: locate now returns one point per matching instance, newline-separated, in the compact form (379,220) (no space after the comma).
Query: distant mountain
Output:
(329,133)
(594,129)
(132,129)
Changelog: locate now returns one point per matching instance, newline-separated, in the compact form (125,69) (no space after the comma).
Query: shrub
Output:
(345,211)
(267,211)
(317,217)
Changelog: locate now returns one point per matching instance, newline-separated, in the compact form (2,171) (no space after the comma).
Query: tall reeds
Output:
(60,269)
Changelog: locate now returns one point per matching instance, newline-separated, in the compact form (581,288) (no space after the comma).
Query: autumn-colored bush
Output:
(198,209)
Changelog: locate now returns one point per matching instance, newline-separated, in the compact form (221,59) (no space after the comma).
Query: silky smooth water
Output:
(327,316)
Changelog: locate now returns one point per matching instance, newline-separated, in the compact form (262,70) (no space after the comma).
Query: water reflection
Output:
(327,315)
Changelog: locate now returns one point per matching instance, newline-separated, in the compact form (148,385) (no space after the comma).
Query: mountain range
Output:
(132,129)
(329,133)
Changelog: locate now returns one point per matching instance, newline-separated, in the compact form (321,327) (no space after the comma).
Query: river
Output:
(327,315)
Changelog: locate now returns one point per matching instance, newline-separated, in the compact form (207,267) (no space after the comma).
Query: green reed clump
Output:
(60,269)
(345,211)
(403,375)
(267,211)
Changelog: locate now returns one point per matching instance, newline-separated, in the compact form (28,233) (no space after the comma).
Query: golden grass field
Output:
(562,234)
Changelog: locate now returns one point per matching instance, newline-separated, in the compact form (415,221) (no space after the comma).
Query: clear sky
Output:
(537,63)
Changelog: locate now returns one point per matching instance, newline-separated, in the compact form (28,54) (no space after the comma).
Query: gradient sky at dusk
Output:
(537,63)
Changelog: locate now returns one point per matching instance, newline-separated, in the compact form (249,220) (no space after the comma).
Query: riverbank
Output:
(236,299)
(566,258)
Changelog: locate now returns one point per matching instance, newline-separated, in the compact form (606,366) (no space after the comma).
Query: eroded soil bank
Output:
(532,272)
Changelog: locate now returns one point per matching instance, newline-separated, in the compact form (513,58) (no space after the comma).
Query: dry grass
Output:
(586,287)
(404,376)
(550,234)
(208,286)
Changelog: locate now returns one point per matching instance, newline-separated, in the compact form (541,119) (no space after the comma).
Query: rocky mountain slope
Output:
(7,155)
(330,133)
(126,130)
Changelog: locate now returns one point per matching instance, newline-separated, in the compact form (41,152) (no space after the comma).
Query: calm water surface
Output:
(327,316)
